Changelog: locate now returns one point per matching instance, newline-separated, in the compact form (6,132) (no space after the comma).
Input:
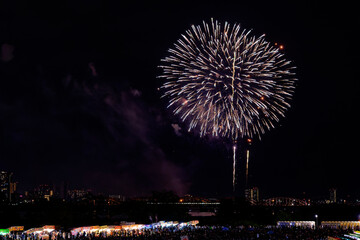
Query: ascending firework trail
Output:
(224,82)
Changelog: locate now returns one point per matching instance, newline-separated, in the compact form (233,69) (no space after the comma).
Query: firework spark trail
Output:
(234,166)
(247,167)
(224,82)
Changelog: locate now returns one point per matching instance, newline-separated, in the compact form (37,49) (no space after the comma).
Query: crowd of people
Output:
(196,233)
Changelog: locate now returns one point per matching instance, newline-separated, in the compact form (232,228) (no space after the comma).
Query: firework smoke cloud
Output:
(225,82)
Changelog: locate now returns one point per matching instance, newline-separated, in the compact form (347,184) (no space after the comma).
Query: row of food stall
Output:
(304,224)
(106,230)
(41,230)
(341,224)
(111,229)
(12,229)
(329,224)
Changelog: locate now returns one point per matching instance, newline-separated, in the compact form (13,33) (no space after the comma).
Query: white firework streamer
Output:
(226,83)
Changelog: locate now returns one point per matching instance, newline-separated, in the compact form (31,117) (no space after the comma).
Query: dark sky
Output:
(79,100)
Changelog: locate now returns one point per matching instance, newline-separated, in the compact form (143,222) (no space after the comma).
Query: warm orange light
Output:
(281,47)
(249,140)
(262,98)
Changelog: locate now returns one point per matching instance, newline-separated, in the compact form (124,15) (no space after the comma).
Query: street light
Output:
(316,221)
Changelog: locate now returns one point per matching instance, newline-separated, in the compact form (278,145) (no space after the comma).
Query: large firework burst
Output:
(224,82)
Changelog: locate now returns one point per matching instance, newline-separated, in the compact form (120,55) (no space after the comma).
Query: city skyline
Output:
(9,194)
(80,102)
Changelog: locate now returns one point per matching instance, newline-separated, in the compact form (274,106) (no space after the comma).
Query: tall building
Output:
(252,195)
(332,192)
(64,187)
(7,187)
(43,191)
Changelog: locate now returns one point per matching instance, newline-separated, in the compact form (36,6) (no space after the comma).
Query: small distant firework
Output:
(224,82)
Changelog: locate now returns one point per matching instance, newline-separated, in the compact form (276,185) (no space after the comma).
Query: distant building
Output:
(64,190)
(7,187)
(78,193)
(252,195)
(332,192)
(43,191)
(117,198)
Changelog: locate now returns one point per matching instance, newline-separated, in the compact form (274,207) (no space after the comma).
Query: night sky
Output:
(79,100)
